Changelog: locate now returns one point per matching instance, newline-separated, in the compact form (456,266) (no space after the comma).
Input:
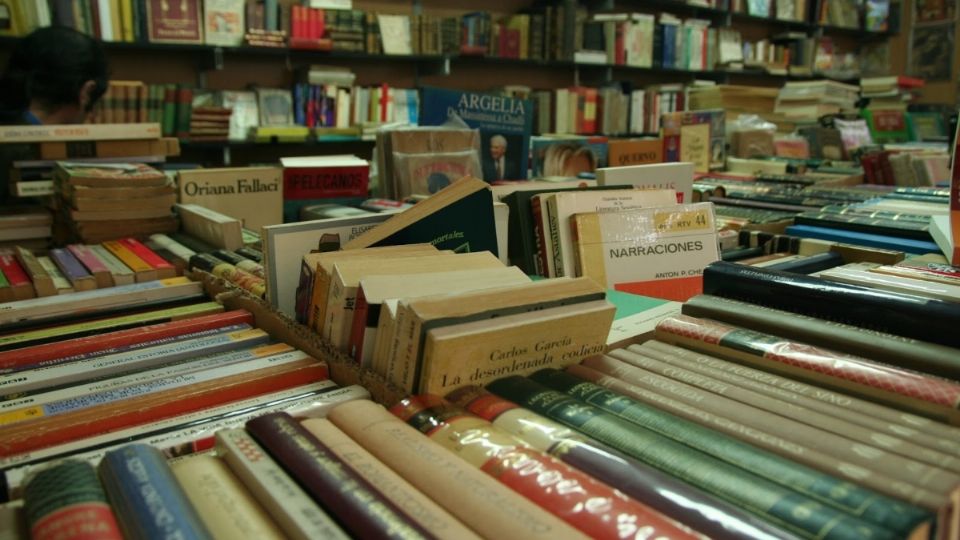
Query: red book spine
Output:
(52,430)
(364,511)
(620,53)
(164,269)
(325,182)
(80,513)
(296,21)
(320,29)
(12,269)
(384,102)
(590,111)
(575,497)
(106,343)
(360,310)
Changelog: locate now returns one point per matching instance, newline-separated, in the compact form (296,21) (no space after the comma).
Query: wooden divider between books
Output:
(343,369)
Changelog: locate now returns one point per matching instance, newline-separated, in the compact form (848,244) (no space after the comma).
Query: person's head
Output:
(498,146)
(55,72)
(568,159)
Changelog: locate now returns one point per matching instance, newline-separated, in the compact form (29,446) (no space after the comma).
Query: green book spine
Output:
(785,508)
(169,110)
(68,497)
(844,496)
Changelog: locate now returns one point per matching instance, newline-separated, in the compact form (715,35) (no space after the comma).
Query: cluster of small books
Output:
(100,199)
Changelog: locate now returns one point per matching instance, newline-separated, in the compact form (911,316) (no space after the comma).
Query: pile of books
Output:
(211,124)
(101,201)
(816,98)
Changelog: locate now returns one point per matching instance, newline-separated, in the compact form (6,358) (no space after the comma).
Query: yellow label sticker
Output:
(694,220)
(248,333)
(20,415)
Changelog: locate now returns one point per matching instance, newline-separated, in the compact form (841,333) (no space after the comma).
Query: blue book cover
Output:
(669,49)
(906,245)
(146,496)
(505,124)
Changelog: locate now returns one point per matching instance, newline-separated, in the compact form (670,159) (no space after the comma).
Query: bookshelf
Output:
(233,68)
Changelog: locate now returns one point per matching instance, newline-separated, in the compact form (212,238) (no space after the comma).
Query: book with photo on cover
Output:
(505,125)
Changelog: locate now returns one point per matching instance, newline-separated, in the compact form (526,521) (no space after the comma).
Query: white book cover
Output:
(395,33)
(675,176)
(224,22)
(562,206)
(659,252)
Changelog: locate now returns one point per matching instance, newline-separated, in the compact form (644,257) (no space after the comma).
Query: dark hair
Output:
(51,65)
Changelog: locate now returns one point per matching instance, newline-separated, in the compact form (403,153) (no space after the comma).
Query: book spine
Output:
(226,508)
(818,397)
(94,394)
(149,501)
(363,510)
(880,346)
(487,507)
(644,483)
(539,256)
(175,436)
(46,335)
(418,506)
(42,282)
(523,470)
(926,320)
(78,132)
(60,282)
(890,450)
(164,269)
(142,270)
(241,262)
(120,274)
(64,501)
(246,281)
(20,283)
(783,438)
(302,311)
(760,496)
(96,268)
(553,249)
(908,390)
(72,270)
(171,245)
(81,348)
(88,303)
(44,432)
(296,513)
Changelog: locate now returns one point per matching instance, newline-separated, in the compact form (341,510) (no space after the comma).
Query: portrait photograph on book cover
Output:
(499,156)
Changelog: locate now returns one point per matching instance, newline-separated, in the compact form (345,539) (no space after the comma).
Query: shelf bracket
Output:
(433,66)
(212,60)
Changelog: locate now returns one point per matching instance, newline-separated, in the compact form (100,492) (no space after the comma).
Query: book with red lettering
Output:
(174,22)
(164,269)
(308,180)
(112,342)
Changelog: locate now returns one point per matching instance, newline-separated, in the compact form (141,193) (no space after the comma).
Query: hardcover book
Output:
(252,194)
(659,252)
(311,180)
(505,126)
(174,22)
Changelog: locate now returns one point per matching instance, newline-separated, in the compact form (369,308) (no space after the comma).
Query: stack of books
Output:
(101,201)
(210,124)
(816,98)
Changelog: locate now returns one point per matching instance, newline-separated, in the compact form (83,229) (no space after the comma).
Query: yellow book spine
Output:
(126,10)
(127,257)
(115,19)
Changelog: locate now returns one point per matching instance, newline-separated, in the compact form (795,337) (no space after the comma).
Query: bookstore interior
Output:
(617,269)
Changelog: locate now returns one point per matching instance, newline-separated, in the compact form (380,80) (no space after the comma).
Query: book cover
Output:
(224,22)
(217,229)
(165,269)
(174,22)
(309,180)
(120,274)
(42,282)
(505,126)
(148,499)
(73,270)
(675,176)
(659,252)
(459,218)
(107,175)
(284,247)
(562,206)
(60,282)
(478,352)
(624,152)
(567,156)
(251,194)
(142,270)
(18,280)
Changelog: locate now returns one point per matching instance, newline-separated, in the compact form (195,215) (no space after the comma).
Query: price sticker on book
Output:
(694,220)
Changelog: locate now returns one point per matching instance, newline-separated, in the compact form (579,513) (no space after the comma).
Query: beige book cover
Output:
(254,195)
